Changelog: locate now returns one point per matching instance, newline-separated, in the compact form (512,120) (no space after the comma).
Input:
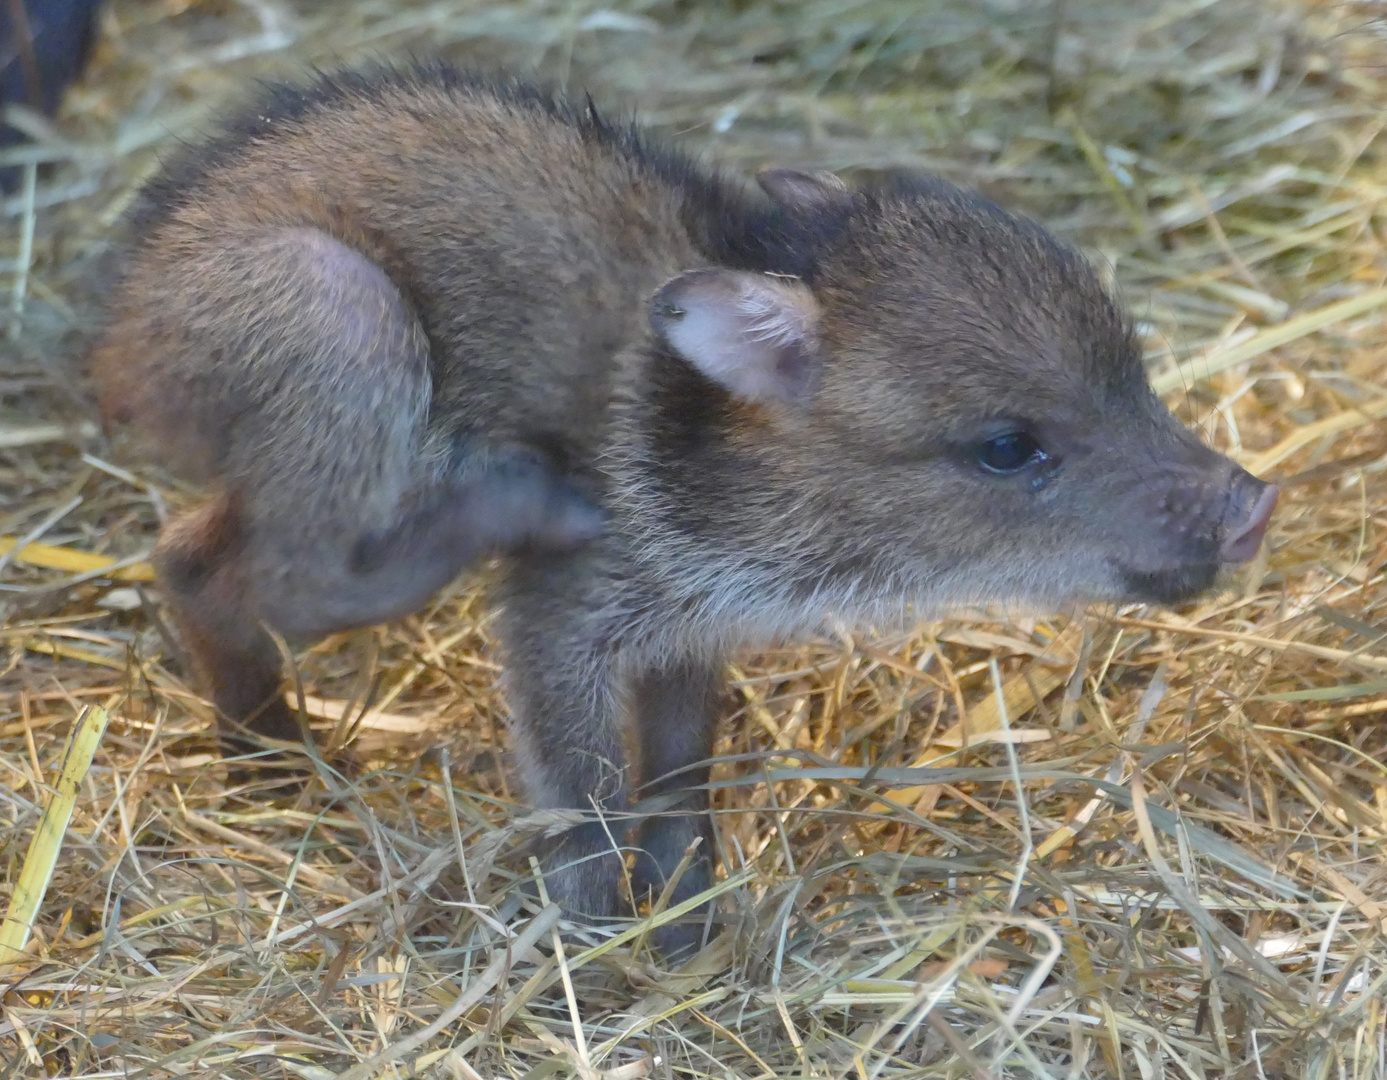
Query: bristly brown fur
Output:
(403,318)
(737,232)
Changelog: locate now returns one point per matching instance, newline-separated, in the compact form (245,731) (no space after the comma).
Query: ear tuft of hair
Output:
(756,335)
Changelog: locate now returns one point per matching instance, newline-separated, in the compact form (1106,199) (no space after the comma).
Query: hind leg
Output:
(222,593)
(341,510)
(201,567)
(508,500)
(221,600)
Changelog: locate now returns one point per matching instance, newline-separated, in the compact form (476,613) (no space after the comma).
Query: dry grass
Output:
(1175,864)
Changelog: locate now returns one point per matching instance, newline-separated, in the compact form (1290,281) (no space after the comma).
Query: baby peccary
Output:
(399,319)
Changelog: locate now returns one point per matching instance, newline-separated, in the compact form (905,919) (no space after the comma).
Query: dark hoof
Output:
(679,941)
(518,501)
(256,762)
(273,720)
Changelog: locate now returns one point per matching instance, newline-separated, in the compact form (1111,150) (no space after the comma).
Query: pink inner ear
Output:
(753,334)
(774,315)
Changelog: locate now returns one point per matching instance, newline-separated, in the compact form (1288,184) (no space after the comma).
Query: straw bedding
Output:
(1108,843)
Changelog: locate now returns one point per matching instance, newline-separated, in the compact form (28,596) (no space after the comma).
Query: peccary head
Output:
(950,407)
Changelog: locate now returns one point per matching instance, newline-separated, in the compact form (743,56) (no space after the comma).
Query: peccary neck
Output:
(709,560)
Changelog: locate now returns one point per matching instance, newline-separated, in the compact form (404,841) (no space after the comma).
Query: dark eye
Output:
(1009,453)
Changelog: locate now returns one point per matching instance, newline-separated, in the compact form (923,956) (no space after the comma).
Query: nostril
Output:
(1241,541)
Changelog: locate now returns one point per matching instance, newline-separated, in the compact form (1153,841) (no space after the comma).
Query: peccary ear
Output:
(797,190)
(754,334)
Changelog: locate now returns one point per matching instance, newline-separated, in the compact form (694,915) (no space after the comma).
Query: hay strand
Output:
(31,886)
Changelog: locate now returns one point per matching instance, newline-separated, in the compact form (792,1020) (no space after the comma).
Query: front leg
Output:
(566,726)
(675,710)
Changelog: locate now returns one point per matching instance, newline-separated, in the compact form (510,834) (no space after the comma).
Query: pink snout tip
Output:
(1243,541)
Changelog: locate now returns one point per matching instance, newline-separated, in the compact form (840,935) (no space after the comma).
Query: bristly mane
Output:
(736,228)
